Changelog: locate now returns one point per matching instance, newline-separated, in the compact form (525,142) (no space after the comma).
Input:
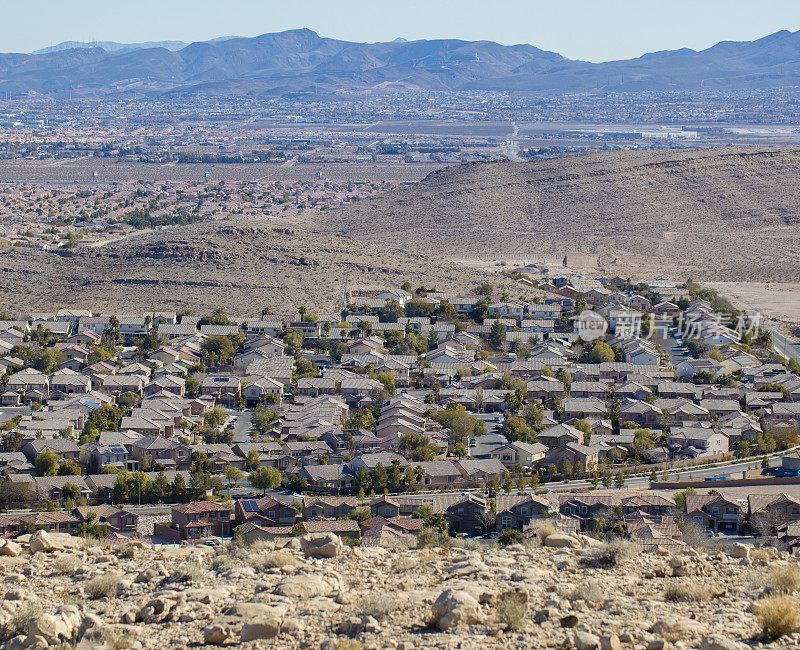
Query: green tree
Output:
(252,461)
(265,478)
(68,468)
(233,474)
(46,463)
(498,334)
(619,479)
(601,353)
(215,417)
(387,379)
(218,349)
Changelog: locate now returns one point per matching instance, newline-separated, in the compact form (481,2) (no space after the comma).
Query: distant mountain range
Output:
(120,48)
(301,62)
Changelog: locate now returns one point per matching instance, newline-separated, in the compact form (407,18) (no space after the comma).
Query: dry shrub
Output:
(784,578)
(125,551)
(222,563)
(778,616)
(760,555)
(613,553)
(378,606)
(430,537)
(66,564)
(273,560)
(190,572)
(348,644)
(18,622)
(511,612)
(403,563)
(590,591)
(687,592)
(544,529)
(102,586)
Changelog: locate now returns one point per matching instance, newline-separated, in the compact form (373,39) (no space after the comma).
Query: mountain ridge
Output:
(300,60)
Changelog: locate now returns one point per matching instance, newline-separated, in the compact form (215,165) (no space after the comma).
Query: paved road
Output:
(785,346)
(670,345)
(241,430)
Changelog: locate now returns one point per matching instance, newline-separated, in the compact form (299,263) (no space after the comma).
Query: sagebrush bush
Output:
(124,551)
(613,553)
(18,622)
(511,612)
(378,606)
(590,591)
(102,586)
(510,536)
(429,537)
(273,560)
(778,616)
(686,592)
(66,564)
(190,572)
(222,563)
(784,578)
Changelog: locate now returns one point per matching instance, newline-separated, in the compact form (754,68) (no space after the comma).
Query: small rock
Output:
(215,634)
(586,640)
(260,628)
(719,642)
(570,620)
(610,642)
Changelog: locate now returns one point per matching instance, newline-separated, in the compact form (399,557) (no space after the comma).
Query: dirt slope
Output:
(722,213)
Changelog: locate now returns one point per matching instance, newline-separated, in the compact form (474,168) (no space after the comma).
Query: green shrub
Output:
(509,536)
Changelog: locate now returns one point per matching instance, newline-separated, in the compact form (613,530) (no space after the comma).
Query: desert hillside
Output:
(716,213)
(240,266)
(575,592)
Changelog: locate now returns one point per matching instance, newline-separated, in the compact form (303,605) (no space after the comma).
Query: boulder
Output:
(260,628)
(561,540)
(10,549)
(42,541)
(321,545)
(739,551)
(453,607)
(304,585)
(54,629)
(257,610)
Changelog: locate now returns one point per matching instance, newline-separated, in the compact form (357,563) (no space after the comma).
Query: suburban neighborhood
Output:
(408,409)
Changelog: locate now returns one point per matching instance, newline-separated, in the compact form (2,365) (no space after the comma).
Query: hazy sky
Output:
(594,30)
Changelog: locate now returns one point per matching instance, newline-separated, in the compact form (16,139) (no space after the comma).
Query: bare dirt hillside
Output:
(241,267)
(724,214)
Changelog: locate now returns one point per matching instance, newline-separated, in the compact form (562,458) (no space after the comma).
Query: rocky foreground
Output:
(315,592)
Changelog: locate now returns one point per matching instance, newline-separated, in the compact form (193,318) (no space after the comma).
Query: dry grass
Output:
(18,622)
(687,592)
(784,578)
(430,537)
(404,563)
(613,553)
(222,563)
(511,612)
(188,572)
(273,560)
(66,564)
(590,591)
(102,586)
(778,616)
(125,551)
(378,606)
(348,644)
(543,530)
(760,555)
